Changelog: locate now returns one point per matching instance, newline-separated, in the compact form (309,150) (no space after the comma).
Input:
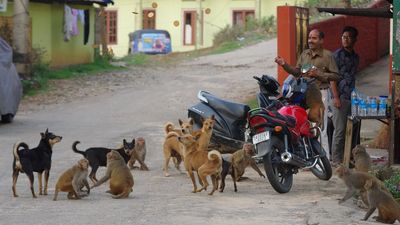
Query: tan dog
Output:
(186,127)
(138,154)
(362,160)
(194,159)
(171,147)
(205,133)
(315,105)
(211,168)
(73,180)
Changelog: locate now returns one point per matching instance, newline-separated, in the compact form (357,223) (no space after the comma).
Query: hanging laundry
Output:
(81,16)
(75,30)
(86,29)
(67,28)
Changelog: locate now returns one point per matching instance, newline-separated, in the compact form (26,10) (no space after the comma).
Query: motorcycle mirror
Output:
(257,78)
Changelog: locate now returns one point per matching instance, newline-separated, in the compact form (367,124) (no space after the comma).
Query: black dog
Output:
(97,156)
(227,168)
(34,160)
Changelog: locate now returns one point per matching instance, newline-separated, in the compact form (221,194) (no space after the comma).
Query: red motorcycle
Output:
(279,129)
(286,141)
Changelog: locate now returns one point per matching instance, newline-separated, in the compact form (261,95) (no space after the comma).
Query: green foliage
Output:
(265,27)
(253,103)
(41,72)
(136,59)
(393,185)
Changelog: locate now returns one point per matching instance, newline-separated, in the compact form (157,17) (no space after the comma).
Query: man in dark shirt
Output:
(347,62)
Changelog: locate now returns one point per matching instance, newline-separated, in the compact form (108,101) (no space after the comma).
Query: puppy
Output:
(34,160)
(73,180)
(138,153)
(171,147)
(97,156)
(194,159)
(362,160)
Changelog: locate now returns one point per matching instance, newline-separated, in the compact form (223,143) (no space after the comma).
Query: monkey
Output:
(139,154)
(362,160)
(73,180)
(355,180)
(388,208)
(315,104)
(243,158)
(121,179)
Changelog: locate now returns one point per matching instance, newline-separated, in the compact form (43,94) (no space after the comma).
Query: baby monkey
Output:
(138,154)
(362,160)
(73,180)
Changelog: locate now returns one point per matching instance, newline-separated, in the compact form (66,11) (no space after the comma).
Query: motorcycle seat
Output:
(290,121)
(231,109)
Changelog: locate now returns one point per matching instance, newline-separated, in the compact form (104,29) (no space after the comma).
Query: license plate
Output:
(261,137)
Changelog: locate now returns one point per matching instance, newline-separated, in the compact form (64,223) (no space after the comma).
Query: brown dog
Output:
(194,159)
(205,133)
(138,154)
(211,168)
(171,147)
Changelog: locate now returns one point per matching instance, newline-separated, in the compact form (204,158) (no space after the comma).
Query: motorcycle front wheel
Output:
(322,169)
(280,174)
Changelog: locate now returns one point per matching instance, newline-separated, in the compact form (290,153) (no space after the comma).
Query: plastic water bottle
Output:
(373,107)
(354,103)
(367,105)
(382,106)
(363,108)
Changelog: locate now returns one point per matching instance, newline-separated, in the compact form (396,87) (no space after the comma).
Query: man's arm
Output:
(288,68)
(335,93)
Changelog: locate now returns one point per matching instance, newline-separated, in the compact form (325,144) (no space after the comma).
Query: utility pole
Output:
(20,35)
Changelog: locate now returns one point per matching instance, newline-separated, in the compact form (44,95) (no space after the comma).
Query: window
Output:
(189,27)
(149,19)
(111,24)
(241,17)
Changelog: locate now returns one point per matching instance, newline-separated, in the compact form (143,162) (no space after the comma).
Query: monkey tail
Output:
(168,127)
(16,147)
(214,155)
(76,150)
(322,113)
(172,134)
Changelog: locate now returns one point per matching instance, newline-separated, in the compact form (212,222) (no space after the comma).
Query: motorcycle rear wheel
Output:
(280,175)
(322,169)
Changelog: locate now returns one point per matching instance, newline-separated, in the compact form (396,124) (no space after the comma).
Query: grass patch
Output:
(253,103)
(136,59)
(41,74)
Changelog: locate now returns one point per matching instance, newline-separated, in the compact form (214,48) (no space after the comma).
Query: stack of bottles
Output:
(362,105)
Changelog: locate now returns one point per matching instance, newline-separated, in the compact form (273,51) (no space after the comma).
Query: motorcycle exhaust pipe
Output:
(292,159)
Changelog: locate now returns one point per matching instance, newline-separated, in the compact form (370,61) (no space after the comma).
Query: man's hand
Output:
(312,73)
(280,61)
(337,103)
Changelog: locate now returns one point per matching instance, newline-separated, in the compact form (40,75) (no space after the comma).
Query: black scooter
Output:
(230,117)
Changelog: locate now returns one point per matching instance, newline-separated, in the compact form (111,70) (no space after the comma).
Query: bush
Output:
(253,27)
(393,185)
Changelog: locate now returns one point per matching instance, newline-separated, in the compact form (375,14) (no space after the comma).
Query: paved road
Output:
(140,109)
